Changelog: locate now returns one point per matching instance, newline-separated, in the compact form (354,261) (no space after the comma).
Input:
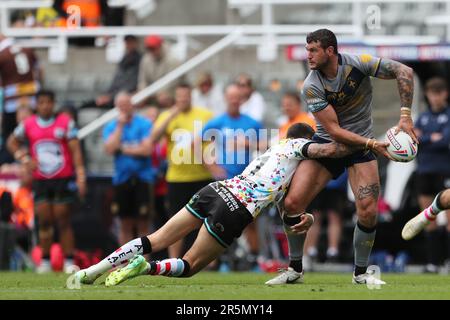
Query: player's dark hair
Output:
(46,93)
(436,84)
(326,38)
(294,95)
(300,130)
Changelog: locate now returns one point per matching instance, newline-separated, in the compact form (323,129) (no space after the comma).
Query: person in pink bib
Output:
(47,145)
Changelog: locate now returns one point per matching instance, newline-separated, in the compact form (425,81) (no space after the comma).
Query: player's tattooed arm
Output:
(330,150)
(390,69)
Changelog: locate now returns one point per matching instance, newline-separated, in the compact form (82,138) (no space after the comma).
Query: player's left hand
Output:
(306,222)
(406,124)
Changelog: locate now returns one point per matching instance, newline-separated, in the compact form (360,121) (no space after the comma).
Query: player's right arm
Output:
(15,145)
(113,140)
(328,118)
(329,150)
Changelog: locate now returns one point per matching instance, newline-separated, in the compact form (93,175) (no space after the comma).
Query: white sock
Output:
(117,258)
(331,252)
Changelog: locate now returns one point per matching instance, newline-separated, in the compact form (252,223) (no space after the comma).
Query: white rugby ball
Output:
(401,146)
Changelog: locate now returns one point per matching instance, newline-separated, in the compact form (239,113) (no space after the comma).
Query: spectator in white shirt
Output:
(207,95)
(253,103)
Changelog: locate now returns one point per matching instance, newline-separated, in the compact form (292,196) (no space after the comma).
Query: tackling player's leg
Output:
(309,178)
(204,250)
(175,229)
(414,226)
(364,181)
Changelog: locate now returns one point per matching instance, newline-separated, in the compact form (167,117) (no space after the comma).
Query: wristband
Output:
(305,149)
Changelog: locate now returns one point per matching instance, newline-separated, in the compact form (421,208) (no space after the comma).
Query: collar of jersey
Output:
(45,123)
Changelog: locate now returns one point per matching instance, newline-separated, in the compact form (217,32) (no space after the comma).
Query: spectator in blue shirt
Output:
(433,170)
(134,176)
(236,136)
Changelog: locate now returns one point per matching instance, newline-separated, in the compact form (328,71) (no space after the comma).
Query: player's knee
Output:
(367,216)
(293,205)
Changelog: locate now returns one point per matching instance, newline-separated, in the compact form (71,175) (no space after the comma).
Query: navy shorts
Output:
(337,166)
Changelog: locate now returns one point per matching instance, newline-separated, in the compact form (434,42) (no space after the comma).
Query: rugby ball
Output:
(401,146)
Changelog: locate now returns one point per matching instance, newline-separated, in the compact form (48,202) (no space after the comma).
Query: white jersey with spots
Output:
(266,179)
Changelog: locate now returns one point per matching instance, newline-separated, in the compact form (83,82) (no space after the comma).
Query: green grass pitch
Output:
(224,286)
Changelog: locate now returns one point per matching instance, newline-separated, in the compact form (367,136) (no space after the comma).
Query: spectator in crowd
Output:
(253,103)
(185,174)
(207,95)
(133,173)
(433,130)
(330,203)
(20,78)
(164,100)
(126,75)
(23,215)
(156,62)
(53,155)
(292,109)
(47,17)
(239,136)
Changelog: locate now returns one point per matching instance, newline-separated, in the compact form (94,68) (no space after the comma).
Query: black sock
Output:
(438,200)
(360,270)
(297,265)
(46,257)
(70,257)
(187,268)
(146,245)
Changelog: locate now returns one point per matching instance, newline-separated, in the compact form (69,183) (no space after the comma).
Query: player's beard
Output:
(323,64)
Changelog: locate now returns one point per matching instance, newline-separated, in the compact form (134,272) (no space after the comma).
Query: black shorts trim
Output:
(195,214)
(337,166)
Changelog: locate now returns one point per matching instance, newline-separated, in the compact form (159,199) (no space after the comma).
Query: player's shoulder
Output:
(312,83)
(354,59)
(30,120)
(312,79)
(358,60)
(63,118)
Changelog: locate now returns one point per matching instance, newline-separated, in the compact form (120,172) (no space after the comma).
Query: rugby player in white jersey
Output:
(221,211)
